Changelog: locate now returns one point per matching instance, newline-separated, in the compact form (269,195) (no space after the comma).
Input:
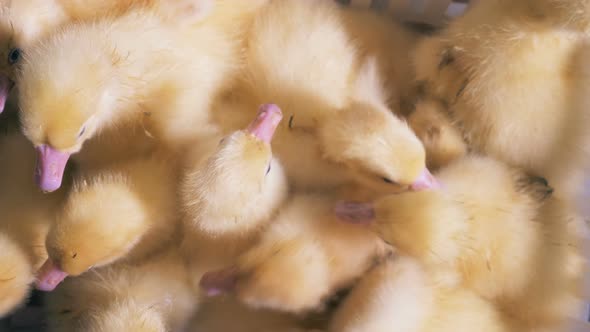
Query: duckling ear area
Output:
(355,212)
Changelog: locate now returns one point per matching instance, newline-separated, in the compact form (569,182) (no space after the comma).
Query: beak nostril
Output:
(75,255)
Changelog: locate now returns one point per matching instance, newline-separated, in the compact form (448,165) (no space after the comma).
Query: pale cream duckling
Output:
(376,34)
(302,259)
(124,212)
(150,295)
(491,228)
(25,22)
(24,222)
(491,68)
(230,193)
(338,99)
(22,23)
(402,295)
(119,90)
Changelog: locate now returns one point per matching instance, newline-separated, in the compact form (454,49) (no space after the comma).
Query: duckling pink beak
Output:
(425,181)
(219,282)
(266,122)
(355,213)
(50,168)
(49,276)
(5,87)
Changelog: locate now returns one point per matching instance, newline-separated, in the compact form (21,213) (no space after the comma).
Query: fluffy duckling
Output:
(115,87)
(22,23)
(569,14)
(25,22)
(493,234)
(375,34)
(24,223)
(151,295)
(401,295)
(302,259)
(490,67)
(230,193)
(340,100)
(442,140)
(125,212)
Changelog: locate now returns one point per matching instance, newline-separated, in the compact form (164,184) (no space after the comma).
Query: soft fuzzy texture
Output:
(126,211)
(231,190)
(491,67)
(121,92)
(151,295)
(401,295)
(338,100)
(442,141)
(26,217)
(500,235)
(304,257)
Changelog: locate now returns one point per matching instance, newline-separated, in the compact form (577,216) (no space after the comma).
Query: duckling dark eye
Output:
(14,55)
(268,169)
(386,180)
(82,132)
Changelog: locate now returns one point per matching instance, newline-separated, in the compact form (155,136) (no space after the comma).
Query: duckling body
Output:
(125,212)
(337,100)
(490,66)
(401,295)
(145,296)
(120,91)
(492,234)
(26,218)
(303,258)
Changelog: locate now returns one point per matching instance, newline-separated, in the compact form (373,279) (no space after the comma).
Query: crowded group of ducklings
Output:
(293,165)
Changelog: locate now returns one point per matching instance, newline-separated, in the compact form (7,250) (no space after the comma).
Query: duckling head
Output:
(242,171)
(66,92)
(90,232)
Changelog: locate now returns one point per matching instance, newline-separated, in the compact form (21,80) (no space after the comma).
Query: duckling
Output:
(125,212)
(25,22)
(120,91)
(497,234)
(381,150)
(442,140)
(149,295)
(230,193)
(303,258)
(344,88)
(24,223)
(402,295)
(375,34)
(489,66)
(17,275)
(21,23)
(569,14)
